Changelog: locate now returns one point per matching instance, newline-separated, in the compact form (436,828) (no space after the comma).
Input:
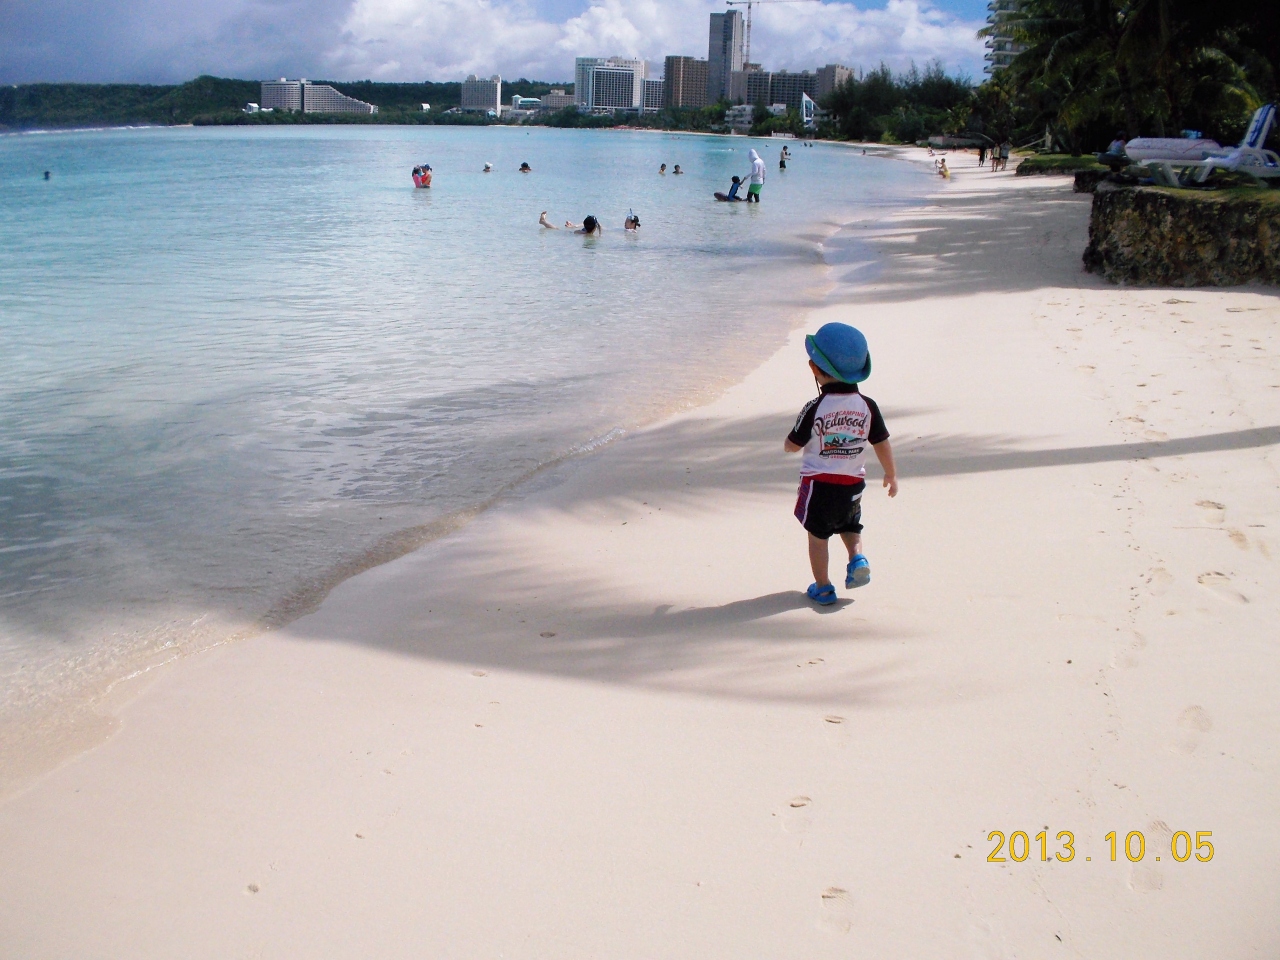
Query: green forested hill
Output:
(215,100)
(90,104)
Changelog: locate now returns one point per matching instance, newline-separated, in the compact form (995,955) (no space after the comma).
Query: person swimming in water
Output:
(422,175)
(632,222)
(488,168)
(677,169)
(663,169)
(525,168)
(589,227)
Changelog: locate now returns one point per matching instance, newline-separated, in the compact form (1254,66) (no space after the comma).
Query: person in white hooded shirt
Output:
(756,179)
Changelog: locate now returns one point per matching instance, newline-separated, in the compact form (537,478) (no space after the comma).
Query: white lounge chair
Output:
(1250,157)
(1162,155)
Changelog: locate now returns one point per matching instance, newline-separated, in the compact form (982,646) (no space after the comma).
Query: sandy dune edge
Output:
(602,722)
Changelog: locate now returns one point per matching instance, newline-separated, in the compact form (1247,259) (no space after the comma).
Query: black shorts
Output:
(825,508)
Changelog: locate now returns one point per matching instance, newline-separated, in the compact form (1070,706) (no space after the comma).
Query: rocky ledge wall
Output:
(1178,238)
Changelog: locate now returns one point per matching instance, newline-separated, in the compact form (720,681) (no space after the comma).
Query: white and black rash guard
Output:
(835,428)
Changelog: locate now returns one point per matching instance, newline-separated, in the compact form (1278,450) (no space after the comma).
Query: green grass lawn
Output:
(1044,163)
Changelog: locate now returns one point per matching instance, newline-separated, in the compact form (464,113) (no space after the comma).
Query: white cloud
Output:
(447,39)
(173,40)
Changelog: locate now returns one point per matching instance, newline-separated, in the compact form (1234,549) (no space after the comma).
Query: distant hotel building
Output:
(557,100)
(787,88)
(738,83)
(724,53)
(482,96)
(765,88)
(653,96)
(1001,48)
(603,84)
(307,97)
(830,77)
(684,82)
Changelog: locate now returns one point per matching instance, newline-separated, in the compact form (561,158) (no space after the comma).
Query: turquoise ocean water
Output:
(238,363)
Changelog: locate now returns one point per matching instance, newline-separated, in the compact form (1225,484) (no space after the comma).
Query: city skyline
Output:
(161,41)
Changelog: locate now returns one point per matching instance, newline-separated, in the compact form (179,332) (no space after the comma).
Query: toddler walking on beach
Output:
(834,430)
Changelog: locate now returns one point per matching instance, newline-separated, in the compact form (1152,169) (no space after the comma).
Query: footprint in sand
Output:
(1159,580)
(1195,718)
(836,729)
(1145,878)
(796,815)
(1212,511)
(837,910)
(1159,834)
(1193,723)
(1219,584)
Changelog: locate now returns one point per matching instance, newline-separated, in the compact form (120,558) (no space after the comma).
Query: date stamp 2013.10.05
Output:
(1019,846)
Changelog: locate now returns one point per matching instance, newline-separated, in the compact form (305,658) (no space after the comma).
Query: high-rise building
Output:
(724,53)
(1001,48)
(608,83)
(830,77)
(738,82)
(282,94)
(653,96)
(685,82)
(308,97)
(482,96)
(786,87)
(757,87)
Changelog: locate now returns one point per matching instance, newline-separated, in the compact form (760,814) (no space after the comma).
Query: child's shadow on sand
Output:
(744,611)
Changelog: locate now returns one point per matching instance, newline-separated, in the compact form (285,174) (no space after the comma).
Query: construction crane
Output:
(746,33)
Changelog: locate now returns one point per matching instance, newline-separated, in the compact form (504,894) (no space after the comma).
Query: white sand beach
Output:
(603,721)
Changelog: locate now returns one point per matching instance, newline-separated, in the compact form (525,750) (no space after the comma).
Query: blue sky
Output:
(163,41)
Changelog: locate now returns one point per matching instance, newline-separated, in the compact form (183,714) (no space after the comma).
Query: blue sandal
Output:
(825,595)
(858,573)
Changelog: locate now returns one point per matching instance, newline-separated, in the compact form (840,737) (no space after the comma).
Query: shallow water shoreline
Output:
(41,732)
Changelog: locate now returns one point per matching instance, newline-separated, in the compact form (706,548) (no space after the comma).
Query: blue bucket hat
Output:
(840,351)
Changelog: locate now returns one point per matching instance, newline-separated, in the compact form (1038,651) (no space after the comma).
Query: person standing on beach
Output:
(755,179)
(833,431)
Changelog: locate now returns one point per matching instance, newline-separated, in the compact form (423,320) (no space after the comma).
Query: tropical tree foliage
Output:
(1149,67)
(902,108)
